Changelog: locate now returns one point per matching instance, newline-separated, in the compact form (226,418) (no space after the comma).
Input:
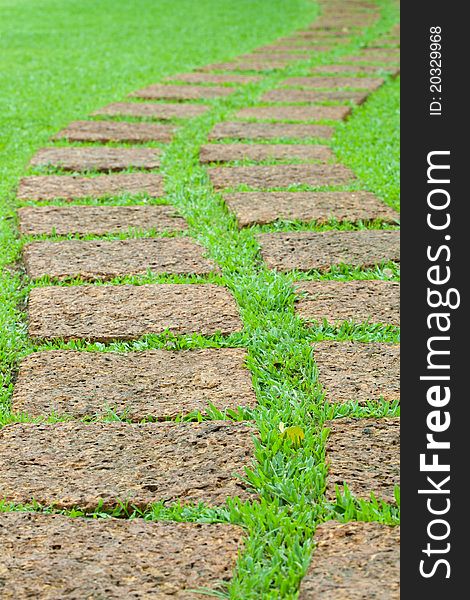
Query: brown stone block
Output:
(115,131)
(182,92)
(267,131)
(295,113)
(364,83)
(214,78)
(288,95)
(258,152)
(154,110)
(97,159)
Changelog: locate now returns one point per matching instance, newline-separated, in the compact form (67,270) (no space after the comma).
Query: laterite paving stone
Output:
(372,55)
(266,131)
(353,561)
(247,65)
(265,177)
(115,131)
(127,312)
(157,383)
(214,78)
(360,301)
(306,250)
(356,69)
(257,152)
(153,109)
(288,95)
(97,159)
(74,187)
(181,92)
(365,83)
(103,259)
(295,113)
(98,220)
(364,454)
(359,372)
(112,558)
(253,208)
(73,463)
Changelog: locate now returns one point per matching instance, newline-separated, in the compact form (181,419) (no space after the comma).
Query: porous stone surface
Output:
(359,372)
(52,556)
(267,131)
(257,152)
(156,110)
(115,131)
(292,95)
(155,383)
(182,92)
(279,176)
(214,78)
(354,561)
(373,55)
(360,301)
(104,259)
(364,83)
(357,69)
(76,464)
(72,187)
(266,207)
(255,64)
(97,159)
(364,454)
(295,113)
(306,250)
(127,312)
(98,220)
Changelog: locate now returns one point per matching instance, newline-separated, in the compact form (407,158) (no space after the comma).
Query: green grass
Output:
(289,478)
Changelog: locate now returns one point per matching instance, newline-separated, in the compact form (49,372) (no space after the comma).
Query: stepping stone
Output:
(361,301)
(98,220)
(247,65)
(113,558)
(181,92)
(153,109)
(253,208)
(279,176)
(160,384)
(102,158)
(127,312)
(356,69)
(214,78)
(76,464)
(288,55)
(115,131)
(266,131)
(72,187)
(373,55)
(293,48)
(365,83)
(257,152)
(354,561)
(364,454)
(287,95)
(295,113)
(358,372)
(103,259)
(306,250)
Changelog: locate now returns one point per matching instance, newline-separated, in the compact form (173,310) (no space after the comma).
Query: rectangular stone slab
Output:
(359,372)
(356,69)
(105,259)
(78,464)
(127,312)
(353,561)
(159,384)
(248,65)
(214,78)
(265,55)
(359,301)
(363,83)
(364,454)
(102,158)
(253,208)
(373,55)
(288,95)
(98,220)
(115,131)
(211,153)
(265,177)
(182,92)
(295,113)
(306,250)
(154,110)
(267,131)
(112,558)
(69,187)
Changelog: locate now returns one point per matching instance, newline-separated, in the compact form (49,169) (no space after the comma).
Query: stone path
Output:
(102,244)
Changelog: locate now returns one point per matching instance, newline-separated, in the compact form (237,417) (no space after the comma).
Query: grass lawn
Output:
(56,70)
